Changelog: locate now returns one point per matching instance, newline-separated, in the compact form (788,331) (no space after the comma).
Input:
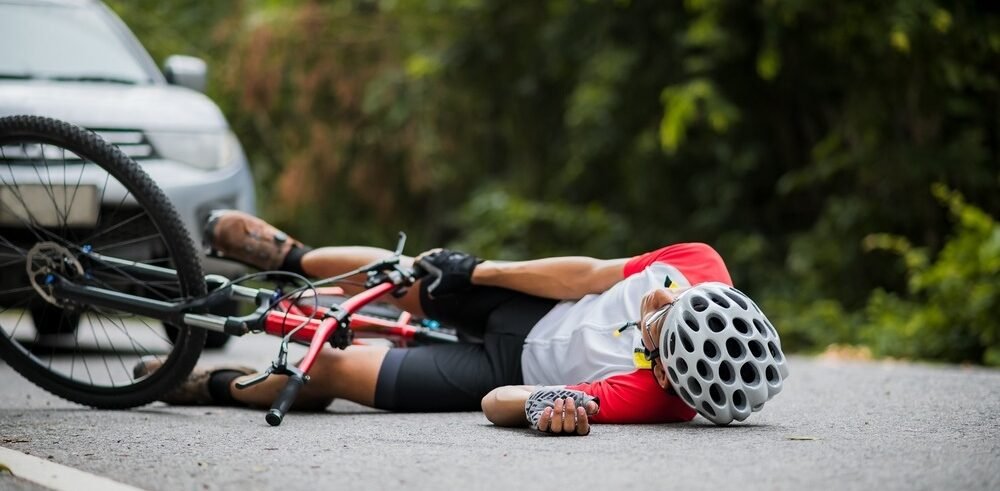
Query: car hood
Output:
(112,106)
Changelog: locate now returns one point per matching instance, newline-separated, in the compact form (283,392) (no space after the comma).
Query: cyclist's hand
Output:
(566,418)
(452,268)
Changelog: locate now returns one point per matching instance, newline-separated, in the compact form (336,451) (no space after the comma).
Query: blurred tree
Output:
(784,132)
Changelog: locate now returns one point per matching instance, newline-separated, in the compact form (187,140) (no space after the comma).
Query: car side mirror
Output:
(186,71)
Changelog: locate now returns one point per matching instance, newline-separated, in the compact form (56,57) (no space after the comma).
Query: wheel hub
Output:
(45,261)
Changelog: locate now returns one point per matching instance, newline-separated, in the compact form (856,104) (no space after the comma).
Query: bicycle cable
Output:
(309,285)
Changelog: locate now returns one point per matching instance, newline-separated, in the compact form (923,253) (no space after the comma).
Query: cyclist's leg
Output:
(253,241)
(332,261)
(467,310)
(455,377)
(427,378)
(346,374)
(447,377)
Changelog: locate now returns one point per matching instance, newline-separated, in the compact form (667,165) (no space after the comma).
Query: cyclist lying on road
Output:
(545,323)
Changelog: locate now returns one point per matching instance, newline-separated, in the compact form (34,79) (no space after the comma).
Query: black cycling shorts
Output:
(455,377)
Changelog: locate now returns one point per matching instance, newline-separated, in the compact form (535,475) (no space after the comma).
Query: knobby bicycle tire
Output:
(27,143)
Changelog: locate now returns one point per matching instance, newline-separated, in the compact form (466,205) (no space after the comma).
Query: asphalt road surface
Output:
(836,425)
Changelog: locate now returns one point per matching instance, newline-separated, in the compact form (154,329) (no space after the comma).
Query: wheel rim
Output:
(51,194)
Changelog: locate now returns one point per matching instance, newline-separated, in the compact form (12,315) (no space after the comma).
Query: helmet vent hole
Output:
(770,327)
(716,324)
(749,375)
(672,345)
(772,375)
(682,366)
(694,386)
(756,349)
(715,392)
(708,409)
(735,348)
(684,395)
(760,327)
(741,326)
(691,322)
(711,350)
(740,400)
(704,370)
(686,342)
(736,299)
(719,300)
(726,372)
(673,376)
(775,352)
(699,304)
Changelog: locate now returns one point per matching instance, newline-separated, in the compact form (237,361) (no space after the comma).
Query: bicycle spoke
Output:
(112,344)
(134,279)
(79,180)
(48,190)
(105,361)
(131,241)
(18,290)
(151,329)
(14,189)
(18,322)
(12,246)
(117,226)
(16,261)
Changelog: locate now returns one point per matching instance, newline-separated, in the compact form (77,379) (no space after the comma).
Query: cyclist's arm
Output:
(552,409)
(504,406)
(561,278)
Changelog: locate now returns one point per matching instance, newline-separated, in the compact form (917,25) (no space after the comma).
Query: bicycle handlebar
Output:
(285,399)
(396,275)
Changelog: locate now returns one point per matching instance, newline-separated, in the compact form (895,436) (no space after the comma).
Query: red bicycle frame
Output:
(318,327)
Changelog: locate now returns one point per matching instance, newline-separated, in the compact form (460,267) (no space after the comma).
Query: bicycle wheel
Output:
(65,194)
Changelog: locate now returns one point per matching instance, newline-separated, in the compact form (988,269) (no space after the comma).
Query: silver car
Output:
(75,60)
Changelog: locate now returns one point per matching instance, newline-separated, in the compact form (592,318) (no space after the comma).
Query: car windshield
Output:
(55,42)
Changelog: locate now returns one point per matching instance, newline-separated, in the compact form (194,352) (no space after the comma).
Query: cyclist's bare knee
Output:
(348,374)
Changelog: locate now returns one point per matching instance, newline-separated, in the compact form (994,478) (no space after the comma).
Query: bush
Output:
(951,310)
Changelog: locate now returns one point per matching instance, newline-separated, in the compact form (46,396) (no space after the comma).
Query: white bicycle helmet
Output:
(721,353)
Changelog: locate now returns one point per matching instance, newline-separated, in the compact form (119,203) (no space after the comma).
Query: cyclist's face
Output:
(653,310)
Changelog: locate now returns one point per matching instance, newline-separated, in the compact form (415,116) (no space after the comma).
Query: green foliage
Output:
(952,307)
(500,223)
(784,132)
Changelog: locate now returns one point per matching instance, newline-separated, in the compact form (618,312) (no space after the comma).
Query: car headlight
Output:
(210,151)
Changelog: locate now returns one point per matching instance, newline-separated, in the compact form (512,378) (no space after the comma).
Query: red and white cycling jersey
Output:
(576,341)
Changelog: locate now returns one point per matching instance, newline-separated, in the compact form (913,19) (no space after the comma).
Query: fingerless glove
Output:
(454,269)
(544,397)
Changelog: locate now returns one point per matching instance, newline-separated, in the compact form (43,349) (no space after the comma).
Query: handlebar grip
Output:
(284,400)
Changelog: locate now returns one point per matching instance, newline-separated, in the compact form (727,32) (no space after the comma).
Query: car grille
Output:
(132,142)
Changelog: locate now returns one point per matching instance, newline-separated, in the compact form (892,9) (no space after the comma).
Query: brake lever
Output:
(279,366)
(256,380)
(431,270)
(399,244)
